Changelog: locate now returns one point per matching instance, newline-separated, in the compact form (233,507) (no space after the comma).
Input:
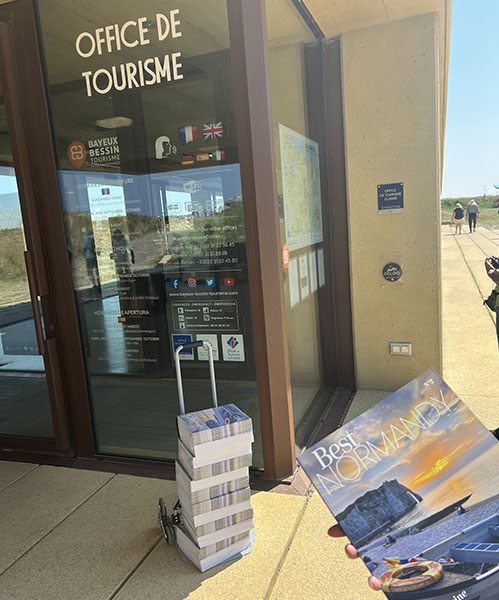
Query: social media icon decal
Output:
(210,282)
(191,282)
(175,284)
(229,281)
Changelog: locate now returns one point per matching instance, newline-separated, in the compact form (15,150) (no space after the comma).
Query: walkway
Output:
(69,534)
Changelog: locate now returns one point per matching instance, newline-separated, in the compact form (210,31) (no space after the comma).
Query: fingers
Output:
(374,583)
(336,531)
(351,551)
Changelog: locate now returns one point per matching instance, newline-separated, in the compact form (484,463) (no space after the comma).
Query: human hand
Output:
(492,272)
(336,531)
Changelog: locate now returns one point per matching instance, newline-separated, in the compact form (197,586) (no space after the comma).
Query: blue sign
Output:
(391,197)
(210,282)
(175,283)
(180,340)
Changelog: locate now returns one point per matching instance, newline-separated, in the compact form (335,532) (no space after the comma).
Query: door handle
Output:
(37,316)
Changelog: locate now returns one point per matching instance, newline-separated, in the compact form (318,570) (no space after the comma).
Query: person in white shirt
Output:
(472,211)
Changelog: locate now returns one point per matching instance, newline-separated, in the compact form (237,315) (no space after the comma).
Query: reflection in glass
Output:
(294,67)
(24,400)
(153,210)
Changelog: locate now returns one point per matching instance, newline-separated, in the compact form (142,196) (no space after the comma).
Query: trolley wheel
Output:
(163,520)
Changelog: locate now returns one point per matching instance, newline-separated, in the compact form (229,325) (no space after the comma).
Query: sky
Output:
(471,158)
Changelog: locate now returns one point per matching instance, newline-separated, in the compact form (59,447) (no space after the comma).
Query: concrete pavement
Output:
(71,534)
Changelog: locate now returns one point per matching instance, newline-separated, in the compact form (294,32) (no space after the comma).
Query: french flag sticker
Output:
(187,134)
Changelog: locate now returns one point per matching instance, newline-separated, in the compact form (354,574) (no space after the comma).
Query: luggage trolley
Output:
(168,522)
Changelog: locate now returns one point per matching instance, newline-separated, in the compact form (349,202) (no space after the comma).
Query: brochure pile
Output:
(212,472)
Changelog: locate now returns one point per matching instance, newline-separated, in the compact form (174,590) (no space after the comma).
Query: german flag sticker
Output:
(187,159)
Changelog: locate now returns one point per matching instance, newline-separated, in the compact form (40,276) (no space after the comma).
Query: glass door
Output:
(149,178)
(31,390)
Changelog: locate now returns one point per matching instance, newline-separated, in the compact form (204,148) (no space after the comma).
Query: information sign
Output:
(390,198)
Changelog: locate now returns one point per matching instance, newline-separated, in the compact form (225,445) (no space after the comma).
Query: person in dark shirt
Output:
(458,218)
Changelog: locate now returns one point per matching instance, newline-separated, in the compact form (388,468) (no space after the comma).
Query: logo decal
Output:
(77,153)
(232,342)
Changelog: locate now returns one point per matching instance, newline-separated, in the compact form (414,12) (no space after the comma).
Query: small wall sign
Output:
(390,198)
(392,272)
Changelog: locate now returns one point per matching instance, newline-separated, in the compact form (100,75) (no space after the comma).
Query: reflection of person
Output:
(493,273)
(336,531)
(122,252)
(460,510)
(91,258)
(472,211)
(458,217)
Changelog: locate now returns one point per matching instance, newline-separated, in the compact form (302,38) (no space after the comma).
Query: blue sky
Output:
(471,161)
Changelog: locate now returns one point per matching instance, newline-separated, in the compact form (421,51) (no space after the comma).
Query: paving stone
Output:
(11,471)
(90,554)
(37,502)
(165,576)
(316,567)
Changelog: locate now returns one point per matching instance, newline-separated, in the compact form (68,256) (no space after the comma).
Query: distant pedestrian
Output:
(472,211)
(91,258)
(458,218)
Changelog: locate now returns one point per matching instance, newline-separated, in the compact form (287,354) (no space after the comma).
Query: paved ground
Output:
(69,534)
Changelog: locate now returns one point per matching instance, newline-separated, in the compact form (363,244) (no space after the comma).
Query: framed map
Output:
(301,188)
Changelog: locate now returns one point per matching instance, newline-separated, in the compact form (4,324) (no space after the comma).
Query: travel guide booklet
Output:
(414,483)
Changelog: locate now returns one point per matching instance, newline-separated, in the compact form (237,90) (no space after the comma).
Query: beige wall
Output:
(390,87)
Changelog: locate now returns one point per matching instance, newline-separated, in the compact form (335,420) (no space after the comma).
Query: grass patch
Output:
(488,205)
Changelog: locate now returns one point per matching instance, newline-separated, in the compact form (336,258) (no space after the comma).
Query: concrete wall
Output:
(390,87)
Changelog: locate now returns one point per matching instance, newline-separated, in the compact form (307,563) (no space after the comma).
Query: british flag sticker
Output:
(213,131)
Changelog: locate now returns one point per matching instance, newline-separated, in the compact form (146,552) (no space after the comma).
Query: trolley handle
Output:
(189,346)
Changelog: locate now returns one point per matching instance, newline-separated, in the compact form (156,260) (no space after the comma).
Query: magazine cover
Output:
(414,482)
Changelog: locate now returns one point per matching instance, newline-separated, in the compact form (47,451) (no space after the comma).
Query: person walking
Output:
(472,211)
(458,217)
(91,259)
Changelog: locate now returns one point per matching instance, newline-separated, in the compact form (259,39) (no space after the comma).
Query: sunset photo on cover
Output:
(414,482)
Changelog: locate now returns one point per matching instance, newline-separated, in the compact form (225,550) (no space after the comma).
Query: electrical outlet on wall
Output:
(401,348)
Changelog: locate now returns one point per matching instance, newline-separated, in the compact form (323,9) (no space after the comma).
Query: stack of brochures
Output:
(212,471)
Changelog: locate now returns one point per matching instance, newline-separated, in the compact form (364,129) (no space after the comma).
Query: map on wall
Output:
(301,189)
